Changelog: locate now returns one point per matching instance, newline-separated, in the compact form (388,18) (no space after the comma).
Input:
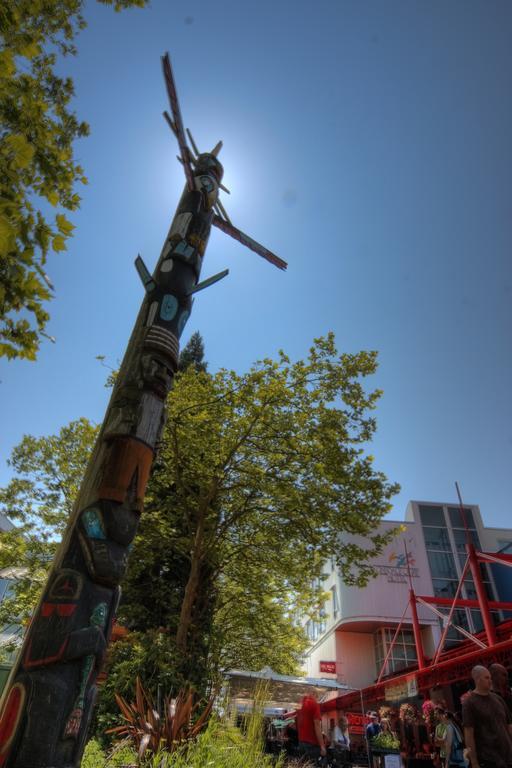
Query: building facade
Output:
(351,641)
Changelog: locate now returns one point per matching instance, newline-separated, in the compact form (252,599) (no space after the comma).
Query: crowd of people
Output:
(480,736)
(483,736)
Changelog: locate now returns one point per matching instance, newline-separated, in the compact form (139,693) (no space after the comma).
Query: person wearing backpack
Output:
(453,745)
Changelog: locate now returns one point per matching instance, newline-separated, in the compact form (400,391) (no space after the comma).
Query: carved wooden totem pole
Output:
(48,701)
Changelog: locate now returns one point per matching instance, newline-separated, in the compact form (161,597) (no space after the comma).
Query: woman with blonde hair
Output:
(385,727)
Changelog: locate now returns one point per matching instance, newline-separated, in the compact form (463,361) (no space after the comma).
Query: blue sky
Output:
(368,144)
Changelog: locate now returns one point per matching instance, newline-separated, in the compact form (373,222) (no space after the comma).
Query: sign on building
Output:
(406,688)
(328,666)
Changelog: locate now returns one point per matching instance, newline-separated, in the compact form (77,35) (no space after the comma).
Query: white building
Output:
(352,640)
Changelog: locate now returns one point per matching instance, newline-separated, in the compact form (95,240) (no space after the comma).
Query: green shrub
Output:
(96,757)
(221,745)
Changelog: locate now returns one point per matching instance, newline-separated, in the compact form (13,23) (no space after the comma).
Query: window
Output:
(403,653)
(454,637)
(444,588)
(437,538)
(431,515)
(460,539)
(457,520)
(442,565)
(335,606)
(478,622)
(469,586)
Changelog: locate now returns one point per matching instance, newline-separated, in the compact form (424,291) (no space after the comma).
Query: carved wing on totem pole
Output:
(189,158)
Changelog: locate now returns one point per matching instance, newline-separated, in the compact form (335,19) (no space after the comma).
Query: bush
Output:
(221,745)
(96,757)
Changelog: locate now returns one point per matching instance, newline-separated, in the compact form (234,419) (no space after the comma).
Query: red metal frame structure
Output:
(430,601)
(455,666)
(494,643)
(474,558)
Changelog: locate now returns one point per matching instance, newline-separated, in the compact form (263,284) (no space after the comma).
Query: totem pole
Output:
(49,698)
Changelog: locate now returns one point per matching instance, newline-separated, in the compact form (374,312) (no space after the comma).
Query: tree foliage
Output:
(257,476)
(193,354)
(38,170)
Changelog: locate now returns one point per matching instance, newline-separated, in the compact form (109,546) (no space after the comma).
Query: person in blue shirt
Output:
(372,729)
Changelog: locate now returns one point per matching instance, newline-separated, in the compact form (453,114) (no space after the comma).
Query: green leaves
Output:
(18,150)
(58,243)
(37,135)
(257,476)
(64,226)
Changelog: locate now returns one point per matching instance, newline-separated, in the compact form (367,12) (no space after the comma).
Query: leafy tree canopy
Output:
(38,170)
(257,476)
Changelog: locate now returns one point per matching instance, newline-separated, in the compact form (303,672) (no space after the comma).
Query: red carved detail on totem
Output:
(127,457)
(61,609)
(9,719)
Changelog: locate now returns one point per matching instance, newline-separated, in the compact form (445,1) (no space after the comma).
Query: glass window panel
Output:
(460,539)
(442,565)
(484,570)
(477,621)
(444,588)
(431,515)
(454,638)
(398,664)
(398,652)
(408,637)
(436,538)
(469,584)
(410,654)
(470,589)
(460,618)
(456,517)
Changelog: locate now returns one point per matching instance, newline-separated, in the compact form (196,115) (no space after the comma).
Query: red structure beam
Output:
(494,605)
(416,630)
(494,557)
